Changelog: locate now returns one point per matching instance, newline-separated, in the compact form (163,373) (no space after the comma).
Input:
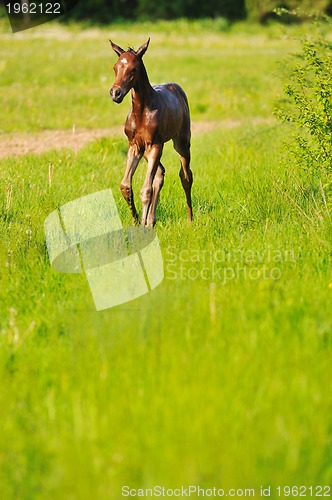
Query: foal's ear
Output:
(143,48)
(118,50)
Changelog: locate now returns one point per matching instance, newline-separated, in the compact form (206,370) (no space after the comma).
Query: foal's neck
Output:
(142,92)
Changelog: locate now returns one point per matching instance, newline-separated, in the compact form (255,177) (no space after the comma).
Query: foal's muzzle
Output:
(116,94)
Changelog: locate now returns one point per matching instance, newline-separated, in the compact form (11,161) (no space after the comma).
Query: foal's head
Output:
(127,70)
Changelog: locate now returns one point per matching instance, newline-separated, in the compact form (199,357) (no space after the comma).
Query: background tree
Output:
(260,9)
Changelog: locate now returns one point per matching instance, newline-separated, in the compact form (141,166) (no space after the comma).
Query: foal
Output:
(158,114)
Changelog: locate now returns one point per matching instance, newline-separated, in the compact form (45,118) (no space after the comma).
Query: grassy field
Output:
(221,376)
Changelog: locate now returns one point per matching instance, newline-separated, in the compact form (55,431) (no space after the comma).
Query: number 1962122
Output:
(304,491)
(33,8)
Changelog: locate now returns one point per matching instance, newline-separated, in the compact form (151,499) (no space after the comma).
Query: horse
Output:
(158,114)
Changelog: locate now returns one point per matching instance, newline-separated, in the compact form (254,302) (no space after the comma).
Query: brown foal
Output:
(158,114)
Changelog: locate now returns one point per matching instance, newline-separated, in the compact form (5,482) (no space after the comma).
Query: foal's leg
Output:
(182,146)
(158,183)
(152,156)
(133,157)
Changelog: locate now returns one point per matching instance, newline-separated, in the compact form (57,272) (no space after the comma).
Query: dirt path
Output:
(24,143)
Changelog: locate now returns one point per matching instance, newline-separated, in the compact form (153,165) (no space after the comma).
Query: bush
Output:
(308,106)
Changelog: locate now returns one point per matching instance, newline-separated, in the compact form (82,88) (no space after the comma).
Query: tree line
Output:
(105,11)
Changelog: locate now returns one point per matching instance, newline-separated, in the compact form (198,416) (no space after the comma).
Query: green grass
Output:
(206,380)
(225,76)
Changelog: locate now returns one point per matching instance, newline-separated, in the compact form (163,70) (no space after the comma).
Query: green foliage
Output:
(105,11)
(229,9)
(308,106)
(262,9)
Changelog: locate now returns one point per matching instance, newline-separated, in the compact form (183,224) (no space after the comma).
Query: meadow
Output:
(221,376)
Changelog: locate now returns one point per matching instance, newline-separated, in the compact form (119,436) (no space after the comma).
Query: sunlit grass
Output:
(225,75)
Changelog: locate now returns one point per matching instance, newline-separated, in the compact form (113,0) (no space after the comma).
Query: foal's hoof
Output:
(149,223)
